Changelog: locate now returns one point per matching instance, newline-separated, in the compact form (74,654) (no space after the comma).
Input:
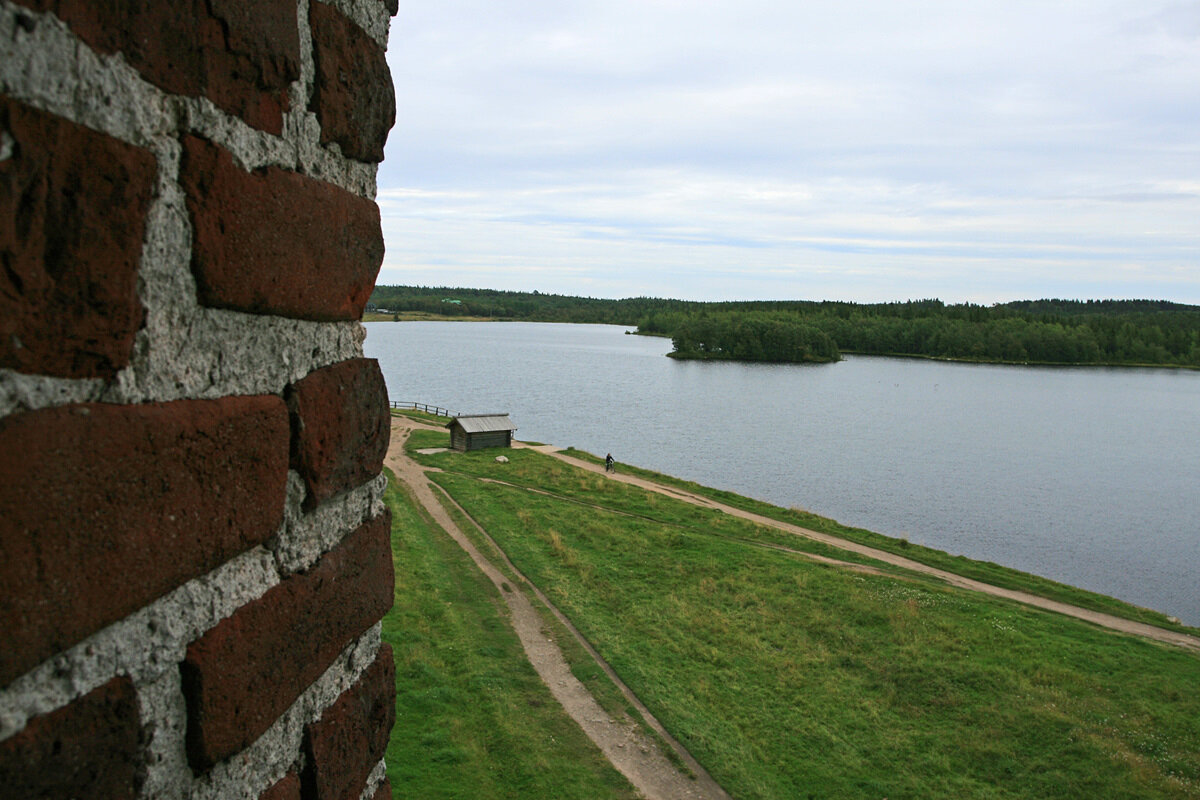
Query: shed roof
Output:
(483,423)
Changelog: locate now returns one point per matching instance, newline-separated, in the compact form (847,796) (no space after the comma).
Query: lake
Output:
(1089,476)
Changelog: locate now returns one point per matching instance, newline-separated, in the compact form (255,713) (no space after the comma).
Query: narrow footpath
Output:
(633,754)
(1095,617)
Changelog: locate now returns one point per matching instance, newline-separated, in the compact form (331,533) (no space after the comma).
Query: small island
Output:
(752,336)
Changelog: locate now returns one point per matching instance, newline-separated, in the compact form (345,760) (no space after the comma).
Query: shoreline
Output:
(968,572)
(420,316)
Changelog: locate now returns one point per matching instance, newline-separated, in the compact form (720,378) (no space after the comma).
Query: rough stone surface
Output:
(287,789)
(88,749)
(102,92)
(19,392)
(305,537)
(145,645)
(373,16)
(240,676)
(252,71)
(105,94)
(96,494)
(256,247)
(343,746)
(182,350)
(384,790)
(341,426)
(352,95)
(149,646)
(275,752)
(72,210)
(242,57)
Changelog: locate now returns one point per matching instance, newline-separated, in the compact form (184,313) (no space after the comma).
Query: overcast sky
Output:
(859,150)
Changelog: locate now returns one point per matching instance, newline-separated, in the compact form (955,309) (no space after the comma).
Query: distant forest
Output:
(1144,332)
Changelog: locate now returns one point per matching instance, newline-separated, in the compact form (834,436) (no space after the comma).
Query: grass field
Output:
(985,571)
(979,570)
(791,679)
(473,718)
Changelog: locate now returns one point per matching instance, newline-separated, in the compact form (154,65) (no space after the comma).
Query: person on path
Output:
(608,463)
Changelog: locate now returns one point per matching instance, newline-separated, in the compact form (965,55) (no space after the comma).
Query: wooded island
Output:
(1097,332)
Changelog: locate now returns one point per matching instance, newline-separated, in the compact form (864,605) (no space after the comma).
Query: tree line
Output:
(504,305)
(1047,331)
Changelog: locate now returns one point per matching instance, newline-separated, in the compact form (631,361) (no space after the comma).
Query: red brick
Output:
(275,242)
(288,788)
(352,96)
(244,673)
(241,56)
(341,426)
(88,749)
(72,217)
(104,508)
(350,738)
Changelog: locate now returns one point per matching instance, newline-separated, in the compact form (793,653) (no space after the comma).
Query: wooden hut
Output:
(477,431)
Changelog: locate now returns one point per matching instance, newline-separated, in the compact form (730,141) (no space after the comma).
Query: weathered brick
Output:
(275,242)
(341,425)
(104,508)
(90,748)
(72,216)
(241,56)
(352,96)
(241,675)
(288,788)
(350,738)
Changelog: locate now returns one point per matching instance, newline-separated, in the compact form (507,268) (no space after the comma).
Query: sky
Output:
(860,150)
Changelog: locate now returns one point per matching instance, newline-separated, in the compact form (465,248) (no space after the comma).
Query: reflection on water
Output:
(1088,476)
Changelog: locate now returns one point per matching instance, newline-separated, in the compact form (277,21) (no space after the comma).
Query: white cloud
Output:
(762,148)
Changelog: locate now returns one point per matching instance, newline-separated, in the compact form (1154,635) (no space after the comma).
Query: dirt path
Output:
(634,755)
(1095,617)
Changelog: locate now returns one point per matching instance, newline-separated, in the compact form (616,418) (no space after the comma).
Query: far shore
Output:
(422,316)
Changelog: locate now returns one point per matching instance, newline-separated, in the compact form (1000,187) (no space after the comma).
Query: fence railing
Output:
(428,409)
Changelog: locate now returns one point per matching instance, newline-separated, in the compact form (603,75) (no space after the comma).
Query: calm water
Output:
(1087,476)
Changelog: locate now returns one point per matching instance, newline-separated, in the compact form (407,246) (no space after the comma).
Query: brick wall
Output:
(194,551)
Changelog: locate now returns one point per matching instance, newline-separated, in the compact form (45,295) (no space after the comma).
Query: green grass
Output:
(422,416)
(473,718)
(530,469)
(985,571)
(421,439)
(791,679)
(581,663)
(540,474)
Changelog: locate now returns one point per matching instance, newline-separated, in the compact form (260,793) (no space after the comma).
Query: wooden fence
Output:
(428,409)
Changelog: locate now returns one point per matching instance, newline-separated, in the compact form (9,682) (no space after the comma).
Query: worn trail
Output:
(634,755)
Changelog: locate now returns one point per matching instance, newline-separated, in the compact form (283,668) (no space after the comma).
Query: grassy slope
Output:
(578,659)
(790,679)
(980,570)
(473,718)
(583,489)
(985,571)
